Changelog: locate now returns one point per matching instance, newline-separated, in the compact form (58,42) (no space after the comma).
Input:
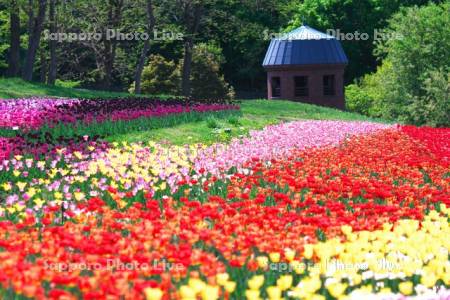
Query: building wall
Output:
(315,75)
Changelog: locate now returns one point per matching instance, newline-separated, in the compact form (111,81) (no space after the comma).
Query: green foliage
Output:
(357,99)
(67,83)
(421,51)
(365,96)
(212,123)
(160,76)
(164,76)
(350,16)
(234,121)
(433,108)
(4,38)
(110,128)
(412,85)
(206,80)
(18,88)
(255,114)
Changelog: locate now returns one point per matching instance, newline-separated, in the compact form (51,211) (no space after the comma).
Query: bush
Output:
(366,96)
(68,83)
(412,84)
(206,80)
(160,76)
(418,58)
(433,108)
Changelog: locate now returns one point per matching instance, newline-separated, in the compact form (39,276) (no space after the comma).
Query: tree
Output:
(192,14)
(96,16)
(363,16)
(52,44)
(160,76)
(35,26)
(206,80)
(145,49)
(433,108)
(412,85)
(14,49)
(241,29)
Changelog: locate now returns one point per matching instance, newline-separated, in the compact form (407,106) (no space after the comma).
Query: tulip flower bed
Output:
(303,210)
(36,124)
(34,113)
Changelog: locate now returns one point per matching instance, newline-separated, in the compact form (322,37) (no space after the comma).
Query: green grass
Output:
(18,88)
(208,129)
(256,114)
(120,127)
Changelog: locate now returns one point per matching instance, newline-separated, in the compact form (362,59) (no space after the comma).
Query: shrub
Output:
(212,123)
(206,80)
(411,85)
(160,76)
(68,83)
(366,96)
(416,88)
(433,108)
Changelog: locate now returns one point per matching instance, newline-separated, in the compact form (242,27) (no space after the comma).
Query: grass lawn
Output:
(18,88)
(255,115)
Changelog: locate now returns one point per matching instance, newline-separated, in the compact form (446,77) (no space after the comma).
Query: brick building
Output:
(306,65)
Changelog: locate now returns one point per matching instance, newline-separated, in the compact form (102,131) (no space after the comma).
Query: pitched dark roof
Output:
(304,46)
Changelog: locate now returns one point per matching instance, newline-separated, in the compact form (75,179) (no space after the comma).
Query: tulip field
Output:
(302,209)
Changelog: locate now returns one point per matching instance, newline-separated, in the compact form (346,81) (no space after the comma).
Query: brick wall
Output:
(315,75)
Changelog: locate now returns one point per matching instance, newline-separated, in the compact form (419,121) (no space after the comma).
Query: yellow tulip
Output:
(346,229)
(39,202)
(210,292)
(298,266)
(222,278)
(285,282)
(6,186)
(289,254)
(252,294)
(274,257)
(78,154)
(21,185)
(230,286)
(308,251)
(428,280)
(336,289)
(406,288)
(78,196)
(187,292)
(274,292)
(19,207)
(256,282)
(262,261)
(153,293)
(196,285)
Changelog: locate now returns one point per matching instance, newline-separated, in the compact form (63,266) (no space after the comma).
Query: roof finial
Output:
(303,21)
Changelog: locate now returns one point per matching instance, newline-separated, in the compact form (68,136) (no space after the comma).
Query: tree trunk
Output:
(52,44)
(192,28)
(143,57)
(140,67)
(114,19)
(30,16)
(33,41)
(14,50)
(187,62)
(43,71)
